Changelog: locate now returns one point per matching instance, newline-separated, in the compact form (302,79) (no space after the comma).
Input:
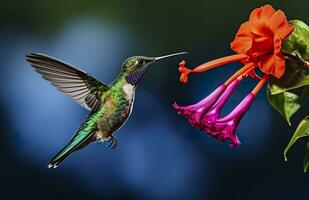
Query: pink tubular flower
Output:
(213,114)
(225,128)
(205,114)
(196,111)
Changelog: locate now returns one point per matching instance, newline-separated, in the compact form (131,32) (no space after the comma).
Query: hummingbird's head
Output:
(135,67)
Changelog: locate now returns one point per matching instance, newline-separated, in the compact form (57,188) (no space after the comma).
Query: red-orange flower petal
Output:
(274,65)
(262,13)
(285,31)
(267,12)
(243,40)
(258,20)
(279,24)
(277,45)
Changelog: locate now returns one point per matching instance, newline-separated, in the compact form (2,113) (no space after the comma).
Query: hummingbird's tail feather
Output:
(67,151)
(82,137)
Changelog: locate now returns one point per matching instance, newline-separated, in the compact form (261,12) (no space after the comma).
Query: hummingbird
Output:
(109,105)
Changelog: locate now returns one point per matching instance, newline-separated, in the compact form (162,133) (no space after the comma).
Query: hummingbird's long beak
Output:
(170,55)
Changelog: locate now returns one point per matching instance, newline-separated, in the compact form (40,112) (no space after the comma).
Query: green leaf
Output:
(301,131)
(288,102)
(297,44)
(306,159)
(296,51)
(289,93)
(294,77)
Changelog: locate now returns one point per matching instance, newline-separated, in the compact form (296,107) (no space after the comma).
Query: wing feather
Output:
(77,84)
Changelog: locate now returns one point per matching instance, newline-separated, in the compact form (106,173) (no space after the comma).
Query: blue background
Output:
(159,155)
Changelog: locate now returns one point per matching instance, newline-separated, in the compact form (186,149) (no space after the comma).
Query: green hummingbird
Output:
(109,105)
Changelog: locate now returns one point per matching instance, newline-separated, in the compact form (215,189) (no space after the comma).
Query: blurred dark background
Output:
(159,155)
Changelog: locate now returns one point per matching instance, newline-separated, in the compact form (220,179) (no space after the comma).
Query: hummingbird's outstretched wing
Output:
(80,86)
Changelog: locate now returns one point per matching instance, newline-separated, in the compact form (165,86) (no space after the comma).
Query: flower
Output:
(257,45)
(261,38)
(225,128)
(196,111)
(184,71)
(205,114)
(213,114)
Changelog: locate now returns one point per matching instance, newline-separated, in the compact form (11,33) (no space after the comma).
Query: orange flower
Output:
(257,44)
(261,38)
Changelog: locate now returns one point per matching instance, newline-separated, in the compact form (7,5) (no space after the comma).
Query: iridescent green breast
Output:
(116,107)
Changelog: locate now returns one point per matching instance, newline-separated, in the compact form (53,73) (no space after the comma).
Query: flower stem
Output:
(260,84)
(296,58)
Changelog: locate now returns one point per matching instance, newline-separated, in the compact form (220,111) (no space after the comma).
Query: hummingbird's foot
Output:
(111,142)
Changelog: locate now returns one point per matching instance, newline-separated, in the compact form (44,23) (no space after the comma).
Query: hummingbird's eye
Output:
(140,61)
